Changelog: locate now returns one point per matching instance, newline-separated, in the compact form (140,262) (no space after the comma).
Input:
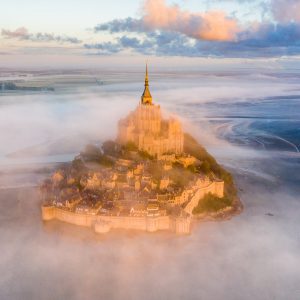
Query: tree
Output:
(131,146)
(91,152)
(109,147)
(211,203)
(205,167)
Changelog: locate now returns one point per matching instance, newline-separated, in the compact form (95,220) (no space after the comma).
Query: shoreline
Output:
(224,214)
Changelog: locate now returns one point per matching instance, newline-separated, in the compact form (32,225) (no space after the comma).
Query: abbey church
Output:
(148,131)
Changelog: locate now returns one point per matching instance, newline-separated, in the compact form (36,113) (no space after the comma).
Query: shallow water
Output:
(253,256)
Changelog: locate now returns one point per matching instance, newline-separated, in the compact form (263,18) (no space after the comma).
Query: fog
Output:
(238,118)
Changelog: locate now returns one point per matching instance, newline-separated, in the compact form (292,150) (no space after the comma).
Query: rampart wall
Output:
(215,187)
(102,224)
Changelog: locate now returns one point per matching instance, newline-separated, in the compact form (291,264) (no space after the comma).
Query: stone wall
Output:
(102,224)
(215,187)
(146,128)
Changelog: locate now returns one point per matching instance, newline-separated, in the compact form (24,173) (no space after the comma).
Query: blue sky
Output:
(71,16)
(158,28)
(67,16)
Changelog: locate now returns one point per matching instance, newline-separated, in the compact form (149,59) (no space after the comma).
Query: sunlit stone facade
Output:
(148,131)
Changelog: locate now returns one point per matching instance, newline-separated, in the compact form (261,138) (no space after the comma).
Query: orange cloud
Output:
(212,26)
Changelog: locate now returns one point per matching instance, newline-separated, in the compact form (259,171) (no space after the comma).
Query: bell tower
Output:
(146,98)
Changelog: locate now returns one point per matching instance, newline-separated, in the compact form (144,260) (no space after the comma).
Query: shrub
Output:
(205,167)
(105,161)
(111,148)
(93,153)
(130,146)
(209,164)
(145,155)
(210,203)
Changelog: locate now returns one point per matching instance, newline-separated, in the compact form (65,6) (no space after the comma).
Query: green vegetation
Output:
(192,169)
(209,164)
(180,176)
(156,171)
(128,151)
(105,161)
(93,153)
(176,164)
(211,203)
(79,186)
(130,146)
(145,155)
(111,148)
(78,166)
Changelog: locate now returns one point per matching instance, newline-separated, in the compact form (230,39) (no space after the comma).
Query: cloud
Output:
(23,34)
(18,33)
(105,48)
(286,10)
(168,30)
(251,256)
(264,40)
(273,35)
(212,26)
(122,25)
(156,43)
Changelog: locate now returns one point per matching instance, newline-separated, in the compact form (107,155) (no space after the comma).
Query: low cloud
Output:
(105,48)
(22,33)
(253,256)
(286,10)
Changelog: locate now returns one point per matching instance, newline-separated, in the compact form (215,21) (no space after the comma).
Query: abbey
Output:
(111,186)
(146,128)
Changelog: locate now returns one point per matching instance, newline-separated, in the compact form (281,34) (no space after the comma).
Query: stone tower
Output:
(148,131)
(146,97)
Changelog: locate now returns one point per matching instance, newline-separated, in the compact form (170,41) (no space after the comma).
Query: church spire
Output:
(146,76)
(146,97)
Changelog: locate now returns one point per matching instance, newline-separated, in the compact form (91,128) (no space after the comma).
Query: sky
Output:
(65,32)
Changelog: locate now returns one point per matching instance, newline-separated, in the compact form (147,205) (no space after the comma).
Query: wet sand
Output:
(255,255)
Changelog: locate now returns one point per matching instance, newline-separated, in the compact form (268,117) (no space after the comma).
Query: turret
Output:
(146,98)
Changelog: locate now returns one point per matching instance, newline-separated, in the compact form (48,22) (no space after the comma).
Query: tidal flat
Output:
(252,256)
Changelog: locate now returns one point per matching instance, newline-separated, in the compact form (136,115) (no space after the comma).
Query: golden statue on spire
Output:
(146,97)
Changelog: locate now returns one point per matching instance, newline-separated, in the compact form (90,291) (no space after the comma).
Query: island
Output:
(6,86)
(152,177)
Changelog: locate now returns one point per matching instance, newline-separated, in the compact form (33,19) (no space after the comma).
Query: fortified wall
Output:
(160,137)
(103,224)
(216,188)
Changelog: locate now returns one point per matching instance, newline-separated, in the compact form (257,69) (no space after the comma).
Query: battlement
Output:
(103,224)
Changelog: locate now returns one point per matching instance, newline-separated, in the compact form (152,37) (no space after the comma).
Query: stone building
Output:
(146,128)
